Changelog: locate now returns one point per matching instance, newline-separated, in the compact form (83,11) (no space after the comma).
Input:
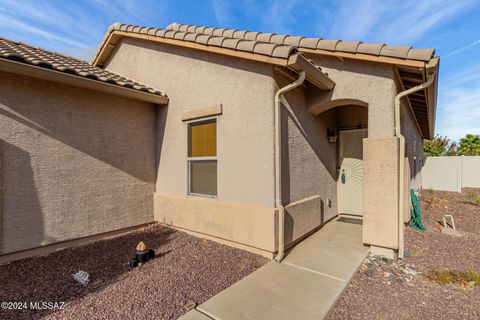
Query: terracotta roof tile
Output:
(231,43)
(218,37)
(19,52)
(347,46)
(395,51)
(252,36)
(370,48)
(293,41)
(265,37)
(420,54)
(329,45)
(209,31)
(310,43)
(228,33)
(216,41)
(278,38)
(218,32)
(203,39)
(246,45)
(402,52)
(265,48)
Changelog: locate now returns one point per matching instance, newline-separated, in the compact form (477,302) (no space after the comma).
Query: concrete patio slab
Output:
(194,315)
(337,252)
(276,291)
(305,286)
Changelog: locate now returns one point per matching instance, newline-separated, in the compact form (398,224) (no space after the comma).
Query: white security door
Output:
(350,179)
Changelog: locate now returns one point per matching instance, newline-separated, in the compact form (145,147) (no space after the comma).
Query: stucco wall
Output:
(74,162)
(244,226)
(380,197)
(308,164)
(413,145)
(372,83)
(194,80)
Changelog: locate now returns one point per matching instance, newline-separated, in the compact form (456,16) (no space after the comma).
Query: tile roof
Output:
(19,52)
(402,52)
(209,38)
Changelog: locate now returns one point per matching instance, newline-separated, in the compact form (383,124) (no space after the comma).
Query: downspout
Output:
(401,170)
(278,163)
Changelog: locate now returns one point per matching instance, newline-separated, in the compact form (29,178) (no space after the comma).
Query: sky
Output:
(76,27)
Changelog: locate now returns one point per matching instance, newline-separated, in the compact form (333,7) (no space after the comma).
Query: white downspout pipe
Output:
(278,163)
(401,163)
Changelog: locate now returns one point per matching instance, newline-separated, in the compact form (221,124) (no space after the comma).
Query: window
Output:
(202,158)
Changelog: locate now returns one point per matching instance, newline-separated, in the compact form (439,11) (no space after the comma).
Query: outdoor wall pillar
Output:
(380,220)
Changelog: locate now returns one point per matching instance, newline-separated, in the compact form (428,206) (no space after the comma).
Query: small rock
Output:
(400,280)
(190,305)
(369,272)
(387,274)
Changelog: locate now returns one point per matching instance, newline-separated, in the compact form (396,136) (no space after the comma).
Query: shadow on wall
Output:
(109,128)
(290,237)
(161,116)
(308,164)
(308,159)
(26,226)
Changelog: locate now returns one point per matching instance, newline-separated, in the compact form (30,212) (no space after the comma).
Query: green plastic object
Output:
(415,216)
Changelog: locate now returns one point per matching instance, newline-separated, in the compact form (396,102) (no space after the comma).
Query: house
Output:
(263,138)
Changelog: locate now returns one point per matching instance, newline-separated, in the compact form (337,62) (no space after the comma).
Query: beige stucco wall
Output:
(302,217)
(380,219)
(243,212)
(245,226)
(74,162)
(194,80)
(372,83)
(413,145)
(308,164)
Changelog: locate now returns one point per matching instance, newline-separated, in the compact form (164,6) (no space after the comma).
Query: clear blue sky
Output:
(75,27)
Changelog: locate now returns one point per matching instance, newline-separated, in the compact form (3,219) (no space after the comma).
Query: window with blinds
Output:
(202,158)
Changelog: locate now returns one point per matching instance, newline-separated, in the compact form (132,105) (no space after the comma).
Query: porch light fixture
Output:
(332,135)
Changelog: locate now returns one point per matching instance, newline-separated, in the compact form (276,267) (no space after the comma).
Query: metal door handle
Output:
(343,176)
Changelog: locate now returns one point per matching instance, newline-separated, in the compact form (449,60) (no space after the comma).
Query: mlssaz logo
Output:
(44,305)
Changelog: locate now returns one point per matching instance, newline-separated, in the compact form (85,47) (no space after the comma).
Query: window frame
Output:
(199,159)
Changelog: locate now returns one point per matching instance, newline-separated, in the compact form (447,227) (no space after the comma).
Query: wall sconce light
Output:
(332,135)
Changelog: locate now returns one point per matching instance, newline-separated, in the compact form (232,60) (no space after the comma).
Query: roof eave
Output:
(432,67)
(113,38)
(81,82)
(366,57)
(314,75)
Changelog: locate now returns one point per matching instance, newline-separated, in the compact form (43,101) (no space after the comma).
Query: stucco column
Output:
(380,221)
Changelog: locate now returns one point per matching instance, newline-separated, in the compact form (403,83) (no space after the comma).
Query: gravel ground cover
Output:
(386,289)
(186,271)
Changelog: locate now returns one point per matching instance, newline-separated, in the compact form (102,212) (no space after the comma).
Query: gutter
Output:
(278,162)
(399,135)
(80,82)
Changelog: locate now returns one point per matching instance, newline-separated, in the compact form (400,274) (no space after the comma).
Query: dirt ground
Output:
(384,289)
(186,271)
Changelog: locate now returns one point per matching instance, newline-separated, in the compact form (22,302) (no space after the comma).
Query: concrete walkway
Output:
(304,286)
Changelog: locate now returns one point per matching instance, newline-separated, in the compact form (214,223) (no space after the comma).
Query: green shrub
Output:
(474,198)
(445,276)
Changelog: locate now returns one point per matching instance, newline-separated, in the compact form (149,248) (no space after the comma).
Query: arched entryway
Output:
(351,127)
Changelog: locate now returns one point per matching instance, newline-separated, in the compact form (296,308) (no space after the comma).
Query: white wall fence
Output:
(451,173)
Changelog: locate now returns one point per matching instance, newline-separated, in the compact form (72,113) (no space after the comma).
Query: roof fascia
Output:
(433,66)
(108,45)
(366,57)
